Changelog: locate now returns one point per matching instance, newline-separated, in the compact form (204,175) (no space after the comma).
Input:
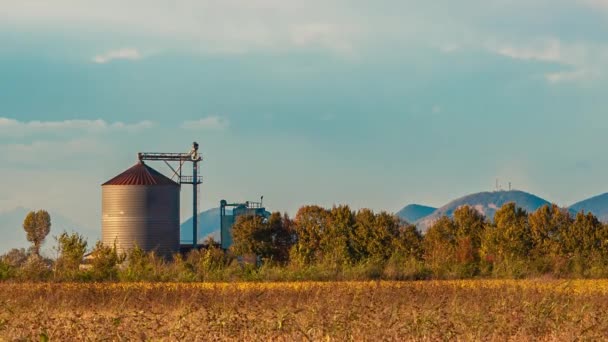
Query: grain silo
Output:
(141,207)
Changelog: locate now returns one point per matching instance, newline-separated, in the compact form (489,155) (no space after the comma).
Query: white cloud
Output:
(213,123)
(581,61)
(124,54)
(329,36)
(565,76)
(232,26)
(548,51)
(596,3)
(13,127)
(449,48)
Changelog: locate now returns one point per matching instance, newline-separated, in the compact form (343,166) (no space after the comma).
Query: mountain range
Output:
(208,224)
(487,203)
(415,212)
(597,205)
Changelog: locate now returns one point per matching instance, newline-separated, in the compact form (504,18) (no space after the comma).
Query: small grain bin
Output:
(140,207)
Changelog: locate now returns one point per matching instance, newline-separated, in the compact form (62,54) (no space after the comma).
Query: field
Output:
(431,310)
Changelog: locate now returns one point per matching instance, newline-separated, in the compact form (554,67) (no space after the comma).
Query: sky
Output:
(374,104)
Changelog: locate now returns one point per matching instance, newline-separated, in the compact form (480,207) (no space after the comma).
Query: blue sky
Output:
(373,104)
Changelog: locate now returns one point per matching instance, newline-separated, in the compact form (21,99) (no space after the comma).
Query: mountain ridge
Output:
(414,212)
(597,205)
(486,203)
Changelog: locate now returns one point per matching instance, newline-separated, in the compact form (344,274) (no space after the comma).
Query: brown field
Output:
(432,310)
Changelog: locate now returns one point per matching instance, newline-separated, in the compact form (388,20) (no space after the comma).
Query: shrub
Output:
(104,262)
(71,248)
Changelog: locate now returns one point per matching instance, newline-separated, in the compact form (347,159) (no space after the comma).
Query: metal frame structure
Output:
(192,156)
(224,204)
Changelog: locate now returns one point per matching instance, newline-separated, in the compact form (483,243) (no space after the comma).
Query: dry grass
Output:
(460,310)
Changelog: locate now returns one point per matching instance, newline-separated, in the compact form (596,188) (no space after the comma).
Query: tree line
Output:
(343,244)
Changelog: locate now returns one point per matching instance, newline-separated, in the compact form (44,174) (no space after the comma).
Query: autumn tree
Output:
(373,235)
(507,243)
(336,247)
(440,246)
(470,226)
(282,235)
(310,224)
(37,225)
(408,242)
(548,226)
(581,239)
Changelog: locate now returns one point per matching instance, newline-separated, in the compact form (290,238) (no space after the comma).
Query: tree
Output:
(581,240)
(373,235)
(269,239)
(251,236)
(506,245)
(310,224)
(549,225)
(72,248)
(408,243)
(336,247)
(470,226)
(283,237)
(37,225)
(440,246)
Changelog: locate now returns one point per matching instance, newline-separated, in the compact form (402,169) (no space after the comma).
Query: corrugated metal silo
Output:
(141,207)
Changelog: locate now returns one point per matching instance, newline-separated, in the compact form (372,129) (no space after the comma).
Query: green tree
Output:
(71,248)
(37,225)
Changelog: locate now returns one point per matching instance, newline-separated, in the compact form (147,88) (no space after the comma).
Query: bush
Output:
(104,262)
(6,270)
(142,266)
(35,268)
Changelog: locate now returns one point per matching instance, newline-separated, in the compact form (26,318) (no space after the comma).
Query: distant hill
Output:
(208,224)
(597,205)
(415,212)
(13,235)
(486,203)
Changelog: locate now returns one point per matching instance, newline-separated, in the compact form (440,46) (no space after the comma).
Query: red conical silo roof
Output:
(140,174)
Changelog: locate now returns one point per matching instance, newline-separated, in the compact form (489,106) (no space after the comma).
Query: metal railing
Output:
(190,180)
